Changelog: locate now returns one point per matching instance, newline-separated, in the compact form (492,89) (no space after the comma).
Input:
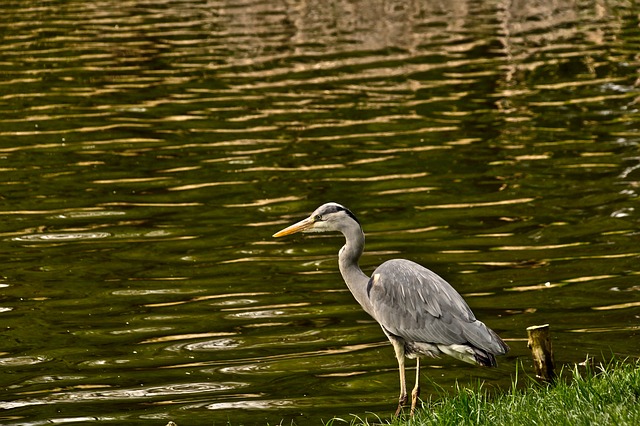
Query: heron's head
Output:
(327,217)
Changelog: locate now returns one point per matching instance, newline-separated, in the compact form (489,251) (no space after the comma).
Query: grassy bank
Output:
(604,395)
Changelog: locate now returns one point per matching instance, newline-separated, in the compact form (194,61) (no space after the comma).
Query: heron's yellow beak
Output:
(303,225)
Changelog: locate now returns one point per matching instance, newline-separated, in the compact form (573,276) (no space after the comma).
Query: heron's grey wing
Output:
(414,303)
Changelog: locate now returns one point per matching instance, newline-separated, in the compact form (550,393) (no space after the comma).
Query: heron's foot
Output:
(398,411)
(401,401)
(414,400)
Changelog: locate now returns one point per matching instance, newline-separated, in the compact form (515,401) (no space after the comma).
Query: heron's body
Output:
(420,313)
(438,321)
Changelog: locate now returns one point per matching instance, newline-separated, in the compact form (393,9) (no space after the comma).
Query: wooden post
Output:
(540,346)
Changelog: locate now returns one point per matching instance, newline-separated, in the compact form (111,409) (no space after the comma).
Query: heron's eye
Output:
(317,218)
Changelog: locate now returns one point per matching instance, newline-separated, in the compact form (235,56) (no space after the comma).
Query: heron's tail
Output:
(484,359)
(485,351)
(488,359)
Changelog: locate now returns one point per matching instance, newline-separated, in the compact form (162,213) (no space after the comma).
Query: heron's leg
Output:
(399,349)
(403,387)
(415,393)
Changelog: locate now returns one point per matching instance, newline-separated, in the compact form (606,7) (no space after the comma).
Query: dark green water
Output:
(149,150)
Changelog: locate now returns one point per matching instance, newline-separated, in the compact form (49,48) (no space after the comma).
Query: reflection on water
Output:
(63,236)
(149,150)
(101,393)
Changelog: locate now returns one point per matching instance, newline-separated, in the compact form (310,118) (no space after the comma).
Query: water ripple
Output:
(63,236)
(101,394)
(22,360)
(493,142)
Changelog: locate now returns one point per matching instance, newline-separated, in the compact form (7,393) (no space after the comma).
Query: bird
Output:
(421,314)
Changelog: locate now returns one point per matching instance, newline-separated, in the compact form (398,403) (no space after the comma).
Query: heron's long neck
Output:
(348,258)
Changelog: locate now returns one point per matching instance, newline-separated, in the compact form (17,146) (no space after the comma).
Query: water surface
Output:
(149,150)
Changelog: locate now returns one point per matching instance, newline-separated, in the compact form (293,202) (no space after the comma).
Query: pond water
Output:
(149,150)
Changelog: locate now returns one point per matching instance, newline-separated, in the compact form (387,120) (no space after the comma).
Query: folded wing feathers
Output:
(425,308)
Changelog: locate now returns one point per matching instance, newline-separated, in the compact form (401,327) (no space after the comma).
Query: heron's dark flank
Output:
(420,313)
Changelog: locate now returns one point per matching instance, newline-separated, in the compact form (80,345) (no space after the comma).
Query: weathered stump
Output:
(540,345)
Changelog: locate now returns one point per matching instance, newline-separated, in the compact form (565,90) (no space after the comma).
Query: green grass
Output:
(605,395)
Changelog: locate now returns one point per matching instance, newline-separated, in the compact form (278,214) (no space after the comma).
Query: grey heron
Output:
(420,313)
